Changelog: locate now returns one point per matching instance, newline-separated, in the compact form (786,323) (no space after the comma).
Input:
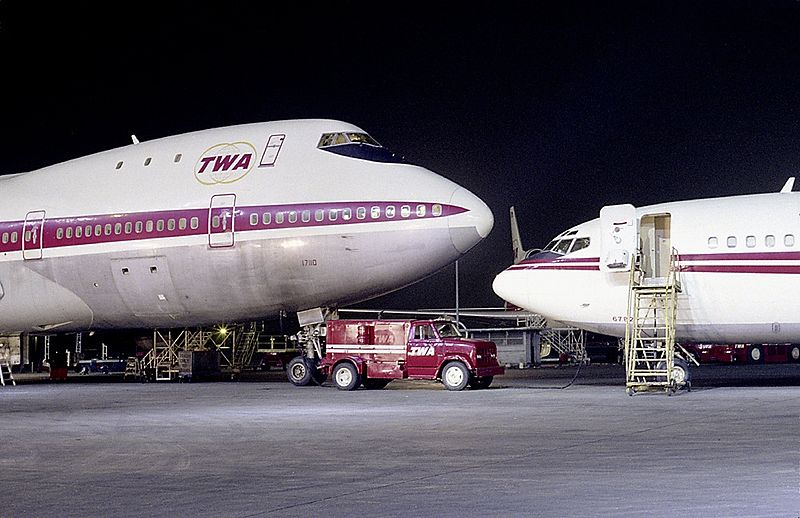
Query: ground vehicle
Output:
(745,353)
(375,352)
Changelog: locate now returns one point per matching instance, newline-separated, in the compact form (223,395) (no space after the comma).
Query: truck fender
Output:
(358,361)
(454,357)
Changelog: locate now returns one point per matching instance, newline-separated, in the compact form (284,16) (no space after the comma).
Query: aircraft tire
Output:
(455,376)
(299,371)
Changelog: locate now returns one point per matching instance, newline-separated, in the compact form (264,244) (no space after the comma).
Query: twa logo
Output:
(225,163)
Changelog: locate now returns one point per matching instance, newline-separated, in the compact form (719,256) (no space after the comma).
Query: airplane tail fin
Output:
(516,241)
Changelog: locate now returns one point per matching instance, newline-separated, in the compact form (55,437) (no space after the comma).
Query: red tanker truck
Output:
(372,353)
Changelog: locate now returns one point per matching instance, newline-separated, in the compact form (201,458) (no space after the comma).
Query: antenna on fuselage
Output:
(134,139)
(789,185)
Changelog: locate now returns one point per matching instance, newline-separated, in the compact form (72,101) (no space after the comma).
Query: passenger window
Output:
(14,237)
(214,222)
(405,211)
(769,241)
(788,240)
(160,224)
(170,224)
(731,241)
(266,218)
(119,165)
(182,223)
(147,161)
(436,210)
(107,229)
(98,230)
(750,241)
(59,233)
(390,211)
(333,215)
(88,231)
(319,215)
(138,227)
(292,216)
(361,213)
(279,218)
(78,232)
(420,211)
(305,216)
(375,212)
(69,233)
(177,158)
(5,237)
(347,214)
(149,226)
(118,228)
(128,227)
(253,219)
(713,242)
(194,222)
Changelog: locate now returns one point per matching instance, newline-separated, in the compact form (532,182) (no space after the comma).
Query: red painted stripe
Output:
(779,269)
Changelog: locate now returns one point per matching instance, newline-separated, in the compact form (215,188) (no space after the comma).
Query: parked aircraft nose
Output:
(468,228)
(508,286)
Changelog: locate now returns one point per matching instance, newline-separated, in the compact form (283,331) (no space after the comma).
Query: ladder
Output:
(650,330)
(245,346)
(5,370)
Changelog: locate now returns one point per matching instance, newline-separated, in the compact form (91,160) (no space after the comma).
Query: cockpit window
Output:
(357,145)
(580,243)
(563,246)
(552,244)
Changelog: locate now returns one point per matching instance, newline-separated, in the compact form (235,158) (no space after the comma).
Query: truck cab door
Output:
(423,352)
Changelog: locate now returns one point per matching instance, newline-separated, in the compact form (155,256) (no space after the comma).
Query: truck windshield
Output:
(447,330)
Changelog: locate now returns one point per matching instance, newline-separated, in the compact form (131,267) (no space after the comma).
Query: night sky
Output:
(557,108)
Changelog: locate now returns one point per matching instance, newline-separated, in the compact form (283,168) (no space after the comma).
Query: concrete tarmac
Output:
(96,446)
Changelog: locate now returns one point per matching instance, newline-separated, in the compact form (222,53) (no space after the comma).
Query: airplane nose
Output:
(470,227)
(508,288)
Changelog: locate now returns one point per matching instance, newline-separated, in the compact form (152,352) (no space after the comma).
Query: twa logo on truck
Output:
(425,350)
(225,163)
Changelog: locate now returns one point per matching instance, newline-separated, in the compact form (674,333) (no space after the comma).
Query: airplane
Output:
(224,225)
(738,259)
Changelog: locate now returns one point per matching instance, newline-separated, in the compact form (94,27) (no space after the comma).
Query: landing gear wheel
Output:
(480,383)
(455,376)
(345,376)
(300,371)
(375,384)
(755,354)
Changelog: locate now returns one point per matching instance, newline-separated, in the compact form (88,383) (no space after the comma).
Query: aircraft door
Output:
(221,217)
(618,238)
(32,235)
(654,233)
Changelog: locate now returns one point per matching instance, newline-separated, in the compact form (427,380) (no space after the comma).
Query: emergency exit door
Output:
(221,218)
(32,235)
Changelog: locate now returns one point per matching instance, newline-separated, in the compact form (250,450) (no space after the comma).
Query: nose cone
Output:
(508,287)
(470,227)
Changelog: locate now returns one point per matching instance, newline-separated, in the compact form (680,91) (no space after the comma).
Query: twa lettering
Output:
(425,350)
(224,162)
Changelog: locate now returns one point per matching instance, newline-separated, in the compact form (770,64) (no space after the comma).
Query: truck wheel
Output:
(455,376)
(755,354)
(680,373)
(480,383)
(794,353)
(300,371)
(375,384)
(346,377)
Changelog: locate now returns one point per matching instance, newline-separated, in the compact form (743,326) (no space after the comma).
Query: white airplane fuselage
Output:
(738,266)
(227,224)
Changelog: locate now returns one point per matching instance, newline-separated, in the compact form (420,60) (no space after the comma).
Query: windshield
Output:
(357,145)
(447,330)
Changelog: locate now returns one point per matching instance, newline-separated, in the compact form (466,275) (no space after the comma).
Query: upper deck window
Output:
(357,145)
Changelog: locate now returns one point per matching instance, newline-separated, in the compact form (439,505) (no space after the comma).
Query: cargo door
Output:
(221,217)
(618,238)
(32,235)
(424,352)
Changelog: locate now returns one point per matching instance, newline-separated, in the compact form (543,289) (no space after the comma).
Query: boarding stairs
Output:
(650,330)
(244,346)
(5,372)
(568,342)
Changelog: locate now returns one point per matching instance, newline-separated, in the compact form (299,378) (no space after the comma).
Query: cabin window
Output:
(149,225)
(14,237)
(731,241)
(215,222)
(118,228)
(98,230)
(750,241)
(138,227)
(279,218)
(160,224)
(182,224)
(405,211)
(713,242)
(788,240)
(253,219)
(319,215)
(333,215)
(292,216)
(361,213)
(87,231)
(5,237)
(266,218)
(390,211)
(128,227)
(78,232)
(580,244)
(119,164)
(194,222)
(107,229)
(147,161)
(177,158)
(436,210)
(59,233)
(347,214)
(420,211)
(171,224)
(306,216)
(375,212)
(769,241)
